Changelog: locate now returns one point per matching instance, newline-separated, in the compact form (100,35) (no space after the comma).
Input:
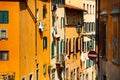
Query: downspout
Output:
(97,34)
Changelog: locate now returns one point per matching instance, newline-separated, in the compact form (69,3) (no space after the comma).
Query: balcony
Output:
(60,61)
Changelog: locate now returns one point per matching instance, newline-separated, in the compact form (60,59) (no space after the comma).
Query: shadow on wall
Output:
(24,6)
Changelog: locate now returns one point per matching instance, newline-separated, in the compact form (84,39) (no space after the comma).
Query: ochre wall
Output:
(12,43)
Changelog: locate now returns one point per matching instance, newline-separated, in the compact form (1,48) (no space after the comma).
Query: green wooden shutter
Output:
(52,49)
(62,21)
(53,20)
(61,47)
(44,12)
(92,44)
(87,64)
(4,17)
(64,46)
(45,42)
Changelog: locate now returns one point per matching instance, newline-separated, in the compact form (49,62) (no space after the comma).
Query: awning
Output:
(74,7)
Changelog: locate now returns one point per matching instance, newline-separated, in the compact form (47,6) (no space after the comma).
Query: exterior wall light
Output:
(79,27)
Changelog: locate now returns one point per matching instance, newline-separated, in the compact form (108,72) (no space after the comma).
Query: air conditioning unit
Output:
(41,26)
(54,7)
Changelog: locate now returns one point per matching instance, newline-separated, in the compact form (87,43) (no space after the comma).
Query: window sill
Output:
(116,61)
(3,39)
(52,57)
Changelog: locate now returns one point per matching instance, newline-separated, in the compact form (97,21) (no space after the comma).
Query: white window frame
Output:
(4,34)
(67,20)
(30,75)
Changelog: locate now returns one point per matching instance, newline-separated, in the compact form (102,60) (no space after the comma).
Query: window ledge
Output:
(116,61)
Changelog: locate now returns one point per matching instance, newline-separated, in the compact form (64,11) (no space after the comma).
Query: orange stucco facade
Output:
(109,40)
(73,66)
(26,56)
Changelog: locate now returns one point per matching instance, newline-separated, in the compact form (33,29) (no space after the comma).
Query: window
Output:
(53,20)
(53,74)
(115,39)
(87,27)
(31,77)
(64,47)
(88,43)
(44,11)
(93,9)
(78,73)
(67,47)
(84,46)
(45,43)
(23,78)
(67,73)
(61,47)
(52,49)
(77,45)
(57,49)
(67,20)
(74,20)
(88,8)
(84,26)
(37,12)
(44,69)
(86,76)
(37,72)
(3,34)
(84,6)
(71,75)
(74,46)
(62,21)
(104,77)
(4,17)
(3,55)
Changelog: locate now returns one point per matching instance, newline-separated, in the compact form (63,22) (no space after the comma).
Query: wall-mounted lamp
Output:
(79,27)
(115,11)
(104,15)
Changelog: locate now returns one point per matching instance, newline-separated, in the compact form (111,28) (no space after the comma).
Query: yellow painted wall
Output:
(78,3)
(12,44)
(44,54)
(21,42)
(27,40)
(70,30)
(109,67)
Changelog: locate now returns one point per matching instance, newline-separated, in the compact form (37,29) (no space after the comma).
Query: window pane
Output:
(52,49)
(3,55)
(3,17)
(3,34)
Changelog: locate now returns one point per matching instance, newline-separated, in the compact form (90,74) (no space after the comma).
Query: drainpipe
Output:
(97,34)
(36,55)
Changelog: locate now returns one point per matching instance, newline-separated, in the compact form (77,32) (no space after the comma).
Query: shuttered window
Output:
(77,45)
(45,43)
(52,49)
(3,34)
(3,55)
(61,47)
(64,47)
(53,20)
(62,21)
(70,46)
(84,46)
(92,44)
(44,11)
(4,17)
